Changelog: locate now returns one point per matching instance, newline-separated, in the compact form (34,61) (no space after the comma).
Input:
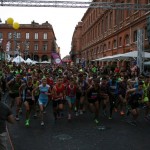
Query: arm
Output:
(20,88)
(9,83)
(33,92)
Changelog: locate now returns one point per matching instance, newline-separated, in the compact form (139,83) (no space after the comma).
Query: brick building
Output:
(106,32)
(35,41)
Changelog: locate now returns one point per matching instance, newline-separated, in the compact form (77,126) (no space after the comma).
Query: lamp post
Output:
(15,26)
(26,49)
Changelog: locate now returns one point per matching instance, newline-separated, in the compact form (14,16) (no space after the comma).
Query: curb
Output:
(11,146)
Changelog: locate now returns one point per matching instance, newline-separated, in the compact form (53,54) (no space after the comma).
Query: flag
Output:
(57,59)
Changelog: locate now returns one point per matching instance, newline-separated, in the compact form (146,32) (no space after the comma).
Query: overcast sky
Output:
(63,20)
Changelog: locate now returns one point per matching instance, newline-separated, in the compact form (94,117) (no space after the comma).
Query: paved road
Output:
(80,134)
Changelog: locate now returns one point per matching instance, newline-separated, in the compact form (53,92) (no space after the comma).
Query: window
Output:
(148,1)
(27,35)
(127,40)
(110,20)
(136,2)
(105,47)
(146,36)
(18,35)
(128,11)
(1,35)
(135,36)
(45,36)
(9,35)
(108,45)
(45,47)
(106,25)
(115,44)
(36,47)
(36,36)
(120,41)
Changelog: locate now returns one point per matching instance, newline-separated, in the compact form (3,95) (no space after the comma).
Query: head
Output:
(18,76)
(104,80)
(59,80)
(29,80)
(140,85)
(44,81)
(96,82)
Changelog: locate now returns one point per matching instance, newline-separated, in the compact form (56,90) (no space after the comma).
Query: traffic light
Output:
(148,28)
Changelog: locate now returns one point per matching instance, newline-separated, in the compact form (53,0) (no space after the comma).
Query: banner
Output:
(57,59)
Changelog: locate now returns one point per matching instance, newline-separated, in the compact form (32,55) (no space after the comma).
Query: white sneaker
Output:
(81,112)
(77,114)
(35,115)
(69,116)
(17,118)
(42,123)
(44,112)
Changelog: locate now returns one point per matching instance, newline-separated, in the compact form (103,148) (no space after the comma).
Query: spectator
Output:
(5,115)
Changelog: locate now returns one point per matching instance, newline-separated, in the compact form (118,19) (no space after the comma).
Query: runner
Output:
(58,94)
(93,94)
(13,87)
(146,102)
(134,98)
(113,94)
(104,95)
(45,91)
(28,102)
(71,96)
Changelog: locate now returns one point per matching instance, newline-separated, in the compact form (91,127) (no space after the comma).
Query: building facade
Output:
(35,41)
(106,32)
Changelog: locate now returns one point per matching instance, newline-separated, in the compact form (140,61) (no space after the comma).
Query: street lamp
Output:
(15,26)
(26,49)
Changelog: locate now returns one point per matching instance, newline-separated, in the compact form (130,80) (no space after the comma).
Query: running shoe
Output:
(27,122)
(69,116)
(115,109)
(17,118)
(75,108)
(96,121)
(35,115)
(42,123)
(20,110)
(77,113)
(122,113)
(110,118)
(44,112)
(133,123)
(81,112)
(104,113)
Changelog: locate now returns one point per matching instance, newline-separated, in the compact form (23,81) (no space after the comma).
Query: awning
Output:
(132,54)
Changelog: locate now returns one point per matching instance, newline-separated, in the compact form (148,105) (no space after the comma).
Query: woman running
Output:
(45,91)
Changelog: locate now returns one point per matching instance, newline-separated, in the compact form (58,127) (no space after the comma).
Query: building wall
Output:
(77,42)
(26,47)
(110,32)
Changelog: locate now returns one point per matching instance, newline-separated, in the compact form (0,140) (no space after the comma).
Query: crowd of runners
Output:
(80,88)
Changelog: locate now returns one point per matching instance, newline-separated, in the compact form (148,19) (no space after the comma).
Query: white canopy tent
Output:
(132,54)
(18,59)
(29,61)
